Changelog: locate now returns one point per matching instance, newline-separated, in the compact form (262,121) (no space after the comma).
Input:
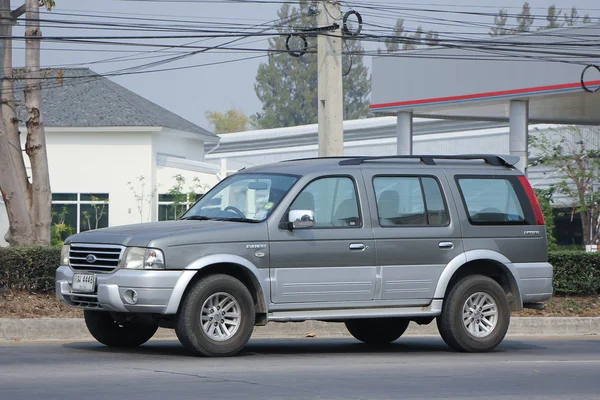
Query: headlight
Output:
(64,255)
(142,258)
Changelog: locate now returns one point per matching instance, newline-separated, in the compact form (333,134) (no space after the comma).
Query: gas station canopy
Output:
(479,79)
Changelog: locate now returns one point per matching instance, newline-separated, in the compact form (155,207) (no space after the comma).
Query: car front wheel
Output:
(216,317)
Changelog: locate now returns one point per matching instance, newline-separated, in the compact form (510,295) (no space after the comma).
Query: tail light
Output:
(535,205)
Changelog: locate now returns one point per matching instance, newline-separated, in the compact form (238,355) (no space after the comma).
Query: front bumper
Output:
(154,290)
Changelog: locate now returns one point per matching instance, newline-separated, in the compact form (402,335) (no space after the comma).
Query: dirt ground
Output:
(26,305)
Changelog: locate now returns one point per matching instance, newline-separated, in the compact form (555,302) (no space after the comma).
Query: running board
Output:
(432,310)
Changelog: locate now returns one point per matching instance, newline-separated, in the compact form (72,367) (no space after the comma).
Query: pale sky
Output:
(192,92)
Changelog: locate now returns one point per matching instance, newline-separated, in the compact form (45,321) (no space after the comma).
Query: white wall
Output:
(101,162)
(178,143)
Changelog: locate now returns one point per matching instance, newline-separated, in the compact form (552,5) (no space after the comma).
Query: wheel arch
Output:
(482,262)
(231,265)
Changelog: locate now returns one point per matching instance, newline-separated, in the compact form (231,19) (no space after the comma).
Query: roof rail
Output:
(495,160)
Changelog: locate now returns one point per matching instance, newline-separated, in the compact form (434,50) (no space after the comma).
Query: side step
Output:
(433,310)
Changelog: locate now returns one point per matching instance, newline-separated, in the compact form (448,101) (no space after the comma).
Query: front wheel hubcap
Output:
(480,314)
(221,315)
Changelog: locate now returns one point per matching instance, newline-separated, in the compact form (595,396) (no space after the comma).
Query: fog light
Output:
(130,296)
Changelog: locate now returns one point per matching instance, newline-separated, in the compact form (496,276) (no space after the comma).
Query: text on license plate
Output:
(84,283)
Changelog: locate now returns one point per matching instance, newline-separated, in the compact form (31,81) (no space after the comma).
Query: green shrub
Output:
(29,268)
(575,272)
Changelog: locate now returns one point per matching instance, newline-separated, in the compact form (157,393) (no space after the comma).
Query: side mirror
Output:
(301,219)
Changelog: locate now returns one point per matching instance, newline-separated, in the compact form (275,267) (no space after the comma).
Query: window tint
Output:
(249,196)
(491,201)
(333,201)
(400,201)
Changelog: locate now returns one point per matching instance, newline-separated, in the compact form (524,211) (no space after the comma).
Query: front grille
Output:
(95,257)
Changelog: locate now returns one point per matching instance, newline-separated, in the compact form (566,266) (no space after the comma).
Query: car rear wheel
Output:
(105,329)
(475,315)
(377,331)
(216,317)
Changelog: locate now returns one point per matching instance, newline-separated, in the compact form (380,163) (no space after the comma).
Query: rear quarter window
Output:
(493,200)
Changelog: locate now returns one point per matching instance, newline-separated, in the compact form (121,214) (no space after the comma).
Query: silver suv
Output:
(373,242)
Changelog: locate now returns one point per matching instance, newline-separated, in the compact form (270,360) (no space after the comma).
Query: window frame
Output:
(187,204)
(284,220)
(518,190)
(419,177)
(79,203)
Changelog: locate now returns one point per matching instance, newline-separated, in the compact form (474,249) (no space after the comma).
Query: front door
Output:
(333,261)
(416,233)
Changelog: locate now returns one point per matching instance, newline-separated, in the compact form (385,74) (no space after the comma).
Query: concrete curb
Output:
(66,329)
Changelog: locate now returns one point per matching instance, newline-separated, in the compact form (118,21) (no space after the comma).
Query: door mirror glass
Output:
(301,219)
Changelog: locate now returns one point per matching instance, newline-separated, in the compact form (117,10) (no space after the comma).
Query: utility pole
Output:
(329,56)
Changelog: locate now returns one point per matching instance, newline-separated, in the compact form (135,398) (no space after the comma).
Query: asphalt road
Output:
(332,369)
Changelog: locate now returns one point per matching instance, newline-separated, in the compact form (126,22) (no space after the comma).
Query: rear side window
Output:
(409,201)
(495,201)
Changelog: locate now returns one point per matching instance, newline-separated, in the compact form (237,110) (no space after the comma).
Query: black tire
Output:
(450,322)
(106,330)
(190,330)
(377,331)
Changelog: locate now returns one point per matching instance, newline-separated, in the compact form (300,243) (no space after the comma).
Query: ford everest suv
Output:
(372,242)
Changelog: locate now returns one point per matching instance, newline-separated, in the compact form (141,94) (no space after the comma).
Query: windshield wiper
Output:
(197,218)
(239,219)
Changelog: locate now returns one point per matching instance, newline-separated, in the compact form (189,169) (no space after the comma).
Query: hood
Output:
(182,232)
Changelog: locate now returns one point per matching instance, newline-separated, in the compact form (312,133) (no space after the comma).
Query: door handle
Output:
(357,246)
(446,245)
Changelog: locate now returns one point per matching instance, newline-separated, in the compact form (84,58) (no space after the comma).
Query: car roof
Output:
(495,163)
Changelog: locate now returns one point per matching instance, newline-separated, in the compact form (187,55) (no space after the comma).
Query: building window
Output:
(78,212)
(172,206)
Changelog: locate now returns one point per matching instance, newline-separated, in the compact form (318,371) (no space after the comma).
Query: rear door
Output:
(416,232)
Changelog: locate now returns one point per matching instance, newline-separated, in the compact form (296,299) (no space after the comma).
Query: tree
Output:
(499,28)
(232,120)
(409,42)
(27,199)
(573,18)
(545,199)
(574,152)
(524,19)
(393,44)
(287,86)
(552,18)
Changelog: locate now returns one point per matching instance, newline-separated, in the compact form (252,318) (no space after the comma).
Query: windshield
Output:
(242,197)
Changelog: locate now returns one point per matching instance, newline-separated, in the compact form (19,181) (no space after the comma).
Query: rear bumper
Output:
(535,281)
(153,289)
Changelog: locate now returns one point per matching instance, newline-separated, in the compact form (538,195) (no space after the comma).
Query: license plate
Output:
(84,283)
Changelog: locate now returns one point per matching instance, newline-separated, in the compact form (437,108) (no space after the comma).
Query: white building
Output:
(113,155)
